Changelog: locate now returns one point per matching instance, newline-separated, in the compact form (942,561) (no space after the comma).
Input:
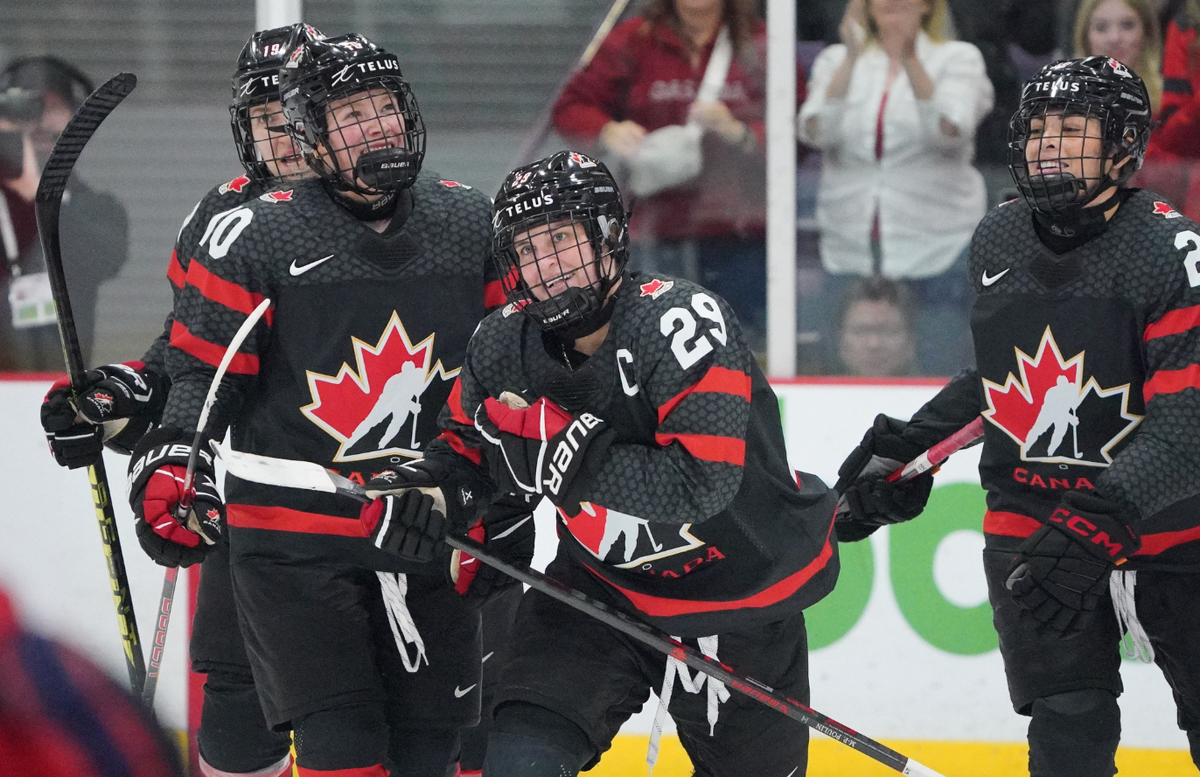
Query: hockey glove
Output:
(542,449)
(507,532)
(868,499)
(157,470)
(118,404)
(410,514)
(1061,572)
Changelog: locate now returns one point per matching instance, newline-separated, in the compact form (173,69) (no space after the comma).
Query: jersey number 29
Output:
(687,346)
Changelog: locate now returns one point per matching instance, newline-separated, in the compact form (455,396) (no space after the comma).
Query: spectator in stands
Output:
(994,27)
(94,226)
(1068,11)
(60,716)
(894,108)
(876,331)
(644,78)
(1172,166)
(1127,31)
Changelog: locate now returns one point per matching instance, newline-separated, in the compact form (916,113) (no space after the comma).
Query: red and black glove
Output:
(117,405)
(157,470)
(506,532)
(542,448)
(411,513)
(868,499)
(1061,572)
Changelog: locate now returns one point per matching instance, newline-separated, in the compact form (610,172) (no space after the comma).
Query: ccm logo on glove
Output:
(1115,547)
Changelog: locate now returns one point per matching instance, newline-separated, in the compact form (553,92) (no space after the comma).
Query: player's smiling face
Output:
(554,257)
(364,121)
(1065,144)
(274,146)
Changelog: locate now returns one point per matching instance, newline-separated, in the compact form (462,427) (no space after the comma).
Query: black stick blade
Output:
(78,132)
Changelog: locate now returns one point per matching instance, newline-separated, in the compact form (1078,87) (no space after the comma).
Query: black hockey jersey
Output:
(1088,373)
(227,196)
(693,516)
(356,355)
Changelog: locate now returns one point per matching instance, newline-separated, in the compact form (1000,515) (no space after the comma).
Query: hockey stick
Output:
(47,205)
(161,620)
(310,476)
(182,511)
(939,452)
(541,127)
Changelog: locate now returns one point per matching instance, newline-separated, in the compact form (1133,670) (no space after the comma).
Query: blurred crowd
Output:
(903,133)
(902,136)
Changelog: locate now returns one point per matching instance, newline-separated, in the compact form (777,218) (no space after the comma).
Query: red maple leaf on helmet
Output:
(385,385)
(236,185)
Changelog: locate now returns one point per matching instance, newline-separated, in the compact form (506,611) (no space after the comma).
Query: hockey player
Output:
(1087,321)
(120,402)
(635,405)
(373,269)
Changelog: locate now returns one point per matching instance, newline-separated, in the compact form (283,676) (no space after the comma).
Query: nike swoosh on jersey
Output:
(461,692)
(300,269)
(988,281)
(489,655)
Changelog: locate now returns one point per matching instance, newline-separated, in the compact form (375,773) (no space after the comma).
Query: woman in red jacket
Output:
(645,76)
(1171,166)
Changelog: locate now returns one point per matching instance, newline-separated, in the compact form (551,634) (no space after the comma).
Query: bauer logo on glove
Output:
(542,448)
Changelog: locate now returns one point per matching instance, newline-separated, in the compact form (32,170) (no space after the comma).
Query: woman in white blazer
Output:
(893,109)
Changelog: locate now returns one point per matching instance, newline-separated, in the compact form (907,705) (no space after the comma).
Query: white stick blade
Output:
(287,473)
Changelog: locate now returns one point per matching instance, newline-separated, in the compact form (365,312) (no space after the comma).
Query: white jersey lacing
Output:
(394,587)
(1121,585)
(717,693)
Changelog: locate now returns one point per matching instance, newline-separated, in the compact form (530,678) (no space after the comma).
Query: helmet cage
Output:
(256,83)
(311,90)
(1078,89)
(545,287)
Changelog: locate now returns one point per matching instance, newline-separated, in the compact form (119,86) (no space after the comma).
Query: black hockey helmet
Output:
(563,189)
(324,71)
(256,82)
(1094,87)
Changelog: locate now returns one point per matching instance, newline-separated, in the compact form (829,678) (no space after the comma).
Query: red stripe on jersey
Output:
(363,771)
(286,519)
(1153,544)
(461,448)
(211,353)
(455,403)
(718,380)
(1009,524)
(1173,322)
(493,296)
(709,447)
(1172,381)
(175,272)
(662,607)
(224,292)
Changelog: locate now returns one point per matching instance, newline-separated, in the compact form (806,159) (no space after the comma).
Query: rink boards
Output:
(903,650)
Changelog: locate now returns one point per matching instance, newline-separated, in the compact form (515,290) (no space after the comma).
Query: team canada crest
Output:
(626,541)
(1053,414)
(373,409)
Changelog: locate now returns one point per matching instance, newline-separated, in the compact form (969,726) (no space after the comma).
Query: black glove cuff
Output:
(165,446)
(1102,527)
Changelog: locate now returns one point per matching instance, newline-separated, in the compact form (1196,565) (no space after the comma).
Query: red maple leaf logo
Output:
(236,185)
(282,196)
(1163,209)
(386,386)
(656,288)
(1046,398)
(453,184)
